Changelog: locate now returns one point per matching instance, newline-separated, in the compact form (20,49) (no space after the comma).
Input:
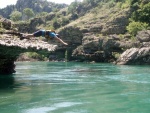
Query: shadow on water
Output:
(6,81)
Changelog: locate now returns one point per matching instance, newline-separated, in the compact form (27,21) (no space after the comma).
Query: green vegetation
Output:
(28,12)
(1,27)
(134,27)
(34,55)
(80,14)
(140,18)
(16,16)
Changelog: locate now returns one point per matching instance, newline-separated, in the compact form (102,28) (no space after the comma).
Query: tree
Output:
(42,14)
(73,6)
(28,12)
(56,24)
(15,16)
(144,13)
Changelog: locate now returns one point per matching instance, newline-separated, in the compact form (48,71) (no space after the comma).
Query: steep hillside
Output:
(98,17)
(36,5)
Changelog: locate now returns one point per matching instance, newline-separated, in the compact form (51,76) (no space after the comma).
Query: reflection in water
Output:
(6,81)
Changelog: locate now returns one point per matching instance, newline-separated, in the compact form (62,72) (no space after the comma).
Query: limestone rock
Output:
(143,36)
(72,35)
(7,24)
(135,56)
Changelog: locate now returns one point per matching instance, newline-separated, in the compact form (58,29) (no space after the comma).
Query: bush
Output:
(35,55)
(142,14)
(16,16)
(134,27)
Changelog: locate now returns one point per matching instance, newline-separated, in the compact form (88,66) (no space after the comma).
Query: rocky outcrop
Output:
(143,36)
(5,23)
(11,46)
(135,56)
(102,48)
(138,55)
(72,35)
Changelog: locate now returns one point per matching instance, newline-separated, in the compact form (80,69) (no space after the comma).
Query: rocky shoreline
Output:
(113,49)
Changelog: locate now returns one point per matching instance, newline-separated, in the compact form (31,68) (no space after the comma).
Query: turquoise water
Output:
(59,87)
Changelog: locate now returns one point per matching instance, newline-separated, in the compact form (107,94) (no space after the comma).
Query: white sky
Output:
(4,3)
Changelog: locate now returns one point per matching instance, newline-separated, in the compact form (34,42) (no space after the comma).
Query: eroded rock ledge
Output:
(139,55)
(106,48)
(11,46)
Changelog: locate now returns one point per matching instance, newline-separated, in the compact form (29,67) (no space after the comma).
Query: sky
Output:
(4,3)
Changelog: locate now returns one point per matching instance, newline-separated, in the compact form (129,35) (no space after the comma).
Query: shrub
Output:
(16,16)
(134,27)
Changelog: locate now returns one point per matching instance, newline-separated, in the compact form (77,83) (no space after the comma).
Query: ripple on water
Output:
(52,107)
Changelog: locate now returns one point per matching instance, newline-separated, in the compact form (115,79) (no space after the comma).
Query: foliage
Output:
(35,55)
(1,27)
(144,14)
(28,12)
(42,14)
(134,27)
(65,21)
(140,18)
(56,23)
(37,6)
(72,7)
(16,16)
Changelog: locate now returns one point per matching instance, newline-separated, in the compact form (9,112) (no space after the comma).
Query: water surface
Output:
(59,87)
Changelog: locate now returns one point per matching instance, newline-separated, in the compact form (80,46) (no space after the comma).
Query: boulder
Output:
(135,56)
(6,23)
(143,36)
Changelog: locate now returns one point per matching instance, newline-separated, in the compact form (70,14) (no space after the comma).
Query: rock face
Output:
(117,24)
(72,35)
(143,36)
(6,23)
(102,48)
(138,55)
(135,56)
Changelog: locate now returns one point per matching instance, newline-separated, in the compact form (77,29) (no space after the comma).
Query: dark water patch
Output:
(6,81)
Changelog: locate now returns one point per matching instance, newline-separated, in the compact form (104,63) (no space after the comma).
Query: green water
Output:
(48,87)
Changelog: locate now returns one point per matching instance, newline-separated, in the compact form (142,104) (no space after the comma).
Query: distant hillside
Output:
(101,17)
(36,5)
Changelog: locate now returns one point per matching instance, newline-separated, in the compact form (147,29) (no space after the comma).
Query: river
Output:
(72,87)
